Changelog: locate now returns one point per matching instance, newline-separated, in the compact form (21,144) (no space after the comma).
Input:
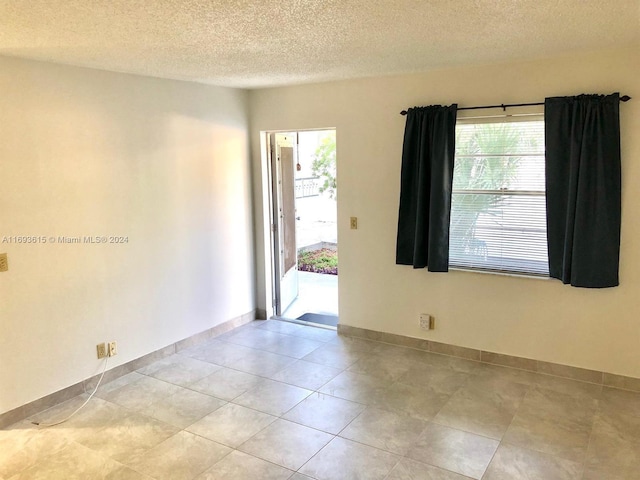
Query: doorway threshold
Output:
(302,322)
(321,318)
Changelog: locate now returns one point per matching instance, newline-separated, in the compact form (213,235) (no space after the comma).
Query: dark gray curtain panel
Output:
(582,137)
(425,189)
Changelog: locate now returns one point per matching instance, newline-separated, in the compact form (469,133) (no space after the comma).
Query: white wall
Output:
(534,318)
(85,152)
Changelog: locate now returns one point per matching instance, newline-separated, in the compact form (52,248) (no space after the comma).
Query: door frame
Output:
(269,216)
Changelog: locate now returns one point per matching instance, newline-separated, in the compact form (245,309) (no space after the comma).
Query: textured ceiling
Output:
(260,43)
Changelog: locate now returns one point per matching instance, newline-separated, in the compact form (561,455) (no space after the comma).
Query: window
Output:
(498,217)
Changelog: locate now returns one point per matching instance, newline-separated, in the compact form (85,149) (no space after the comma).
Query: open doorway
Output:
(304,228)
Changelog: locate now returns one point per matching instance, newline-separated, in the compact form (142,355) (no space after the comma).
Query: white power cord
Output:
(46,425)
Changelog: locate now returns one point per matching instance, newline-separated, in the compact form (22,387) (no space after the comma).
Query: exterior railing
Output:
(307,187)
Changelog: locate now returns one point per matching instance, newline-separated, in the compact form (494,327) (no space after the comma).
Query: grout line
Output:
(586,453)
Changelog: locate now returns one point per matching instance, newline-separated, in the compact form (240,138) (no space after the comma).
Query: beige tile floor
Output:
(276,400)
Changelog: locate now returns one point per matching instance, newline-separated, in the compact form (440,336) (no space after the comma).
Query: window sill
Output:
(502,274)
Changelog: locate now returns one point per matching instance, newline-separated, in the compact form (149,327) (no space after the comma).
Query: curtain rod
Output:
(624,98)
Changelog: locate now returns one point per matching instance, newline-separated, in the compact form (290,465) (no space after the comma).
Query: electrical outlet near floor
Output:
(102,350)
(113,349)
(427,322)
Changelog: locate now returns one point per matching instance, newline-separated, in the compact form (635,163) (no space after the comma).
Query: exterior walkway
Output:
(318,293)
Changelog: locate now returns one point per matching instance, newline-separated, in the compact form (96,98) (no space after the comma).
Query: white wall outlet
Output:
(113,349)
(427,322)
(102,350)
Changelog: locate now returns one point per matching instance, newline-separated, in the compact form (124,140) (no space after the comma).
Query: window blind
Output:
(498,216)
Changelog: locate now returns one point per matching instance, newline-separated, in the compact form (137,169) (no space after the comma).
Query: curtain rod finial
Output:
(625,98)
(403,112)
